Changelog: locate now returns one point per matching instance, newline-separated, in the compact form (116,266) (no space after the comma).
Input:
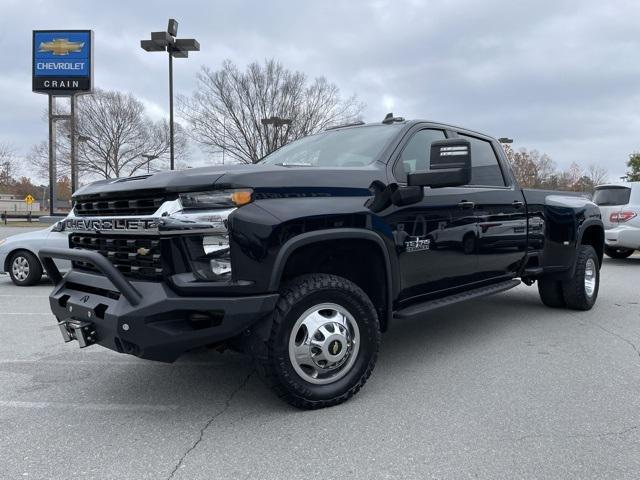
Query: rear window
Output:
(612,196)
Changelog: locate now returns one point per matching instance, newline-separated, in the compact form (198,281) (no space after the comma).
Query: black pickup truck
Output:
(305,258)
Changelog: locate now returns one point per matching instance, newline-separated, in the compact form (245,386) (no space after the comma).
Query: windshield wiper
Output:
(293,164)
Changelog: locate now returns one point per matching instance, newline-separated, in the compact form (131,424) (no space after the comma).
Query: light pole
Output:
(149,159)
(179,48)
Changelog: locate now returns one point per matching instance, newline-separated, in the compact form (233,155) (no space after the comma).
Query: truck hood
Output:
(259,177)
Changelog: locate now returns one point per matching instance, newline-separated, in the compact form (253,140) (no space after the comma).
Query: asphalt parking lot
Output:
(501,387)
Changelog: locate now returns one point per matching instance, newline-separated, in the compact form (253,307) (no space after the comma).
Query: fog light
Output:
(220,266)
(212,259)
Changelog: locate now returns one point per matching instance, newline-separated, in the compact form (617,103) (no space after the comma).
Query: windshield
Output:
(612,196)
(350,147)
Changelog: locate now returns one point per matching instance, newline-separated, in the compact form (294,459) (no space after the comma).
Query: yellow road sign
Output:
(29,199)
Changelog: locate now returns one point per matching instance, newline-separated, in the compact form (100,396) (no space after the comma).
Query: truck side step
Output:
(420,308)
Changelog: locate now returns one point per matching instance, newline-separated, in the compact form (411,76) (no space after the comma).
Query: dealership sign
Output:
(62,61)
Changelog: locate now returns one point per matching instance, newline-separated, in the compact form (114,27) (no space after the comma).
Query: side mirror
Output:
(450,165)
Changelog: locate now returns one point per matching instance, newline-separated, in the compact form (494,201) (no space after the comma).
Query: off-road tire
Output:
(618,252)
(35,268)
(296,297)
(573,289)
(551,293)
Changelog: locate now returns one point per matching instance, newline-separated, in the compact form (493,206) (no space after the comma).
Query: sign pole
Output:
(171,109)
(73,153)
(53,177)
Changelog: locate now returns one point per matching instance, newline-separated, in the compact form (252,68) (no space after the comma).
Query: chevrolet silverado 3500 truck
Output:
(303,259)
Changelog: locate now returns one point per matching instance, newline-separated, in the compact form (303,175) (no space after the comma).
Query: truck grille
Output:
(117,207)
(134,257)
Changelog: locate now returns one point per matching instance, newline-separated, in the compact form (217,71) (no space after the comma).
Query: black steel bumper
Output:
(142,318)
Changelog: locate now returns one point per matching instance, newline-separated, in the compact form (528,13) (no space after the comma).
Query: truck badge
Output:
(416,244)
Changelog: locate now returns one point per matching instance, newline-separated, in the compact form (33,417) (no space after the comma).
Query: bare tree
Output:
(115,138)
(596,174)
(226,110)
(531,169)
(7,165)
(535,170)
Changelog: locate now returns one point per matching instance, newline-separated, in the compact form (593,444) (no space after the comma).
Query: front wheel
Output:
(323,343)
(581,290)
(618,252)
(24,268)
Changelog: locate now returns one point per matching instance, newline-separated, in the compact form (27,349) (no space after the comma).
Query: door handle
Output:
(517,204)
(466,205)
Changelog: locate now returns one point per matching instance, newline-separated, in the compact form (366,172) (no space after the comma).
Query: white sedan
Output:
(19,253)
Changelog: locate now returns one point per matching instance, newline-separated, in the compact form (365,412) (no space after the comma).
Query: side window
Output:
(485,167)
(416,153)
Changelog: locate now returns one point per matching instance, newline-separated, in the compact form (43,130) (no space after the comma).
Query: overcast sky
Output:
(560,77)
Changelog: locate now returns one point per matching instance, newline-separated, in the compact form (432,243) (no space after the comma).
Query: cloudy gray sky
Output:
(558,76)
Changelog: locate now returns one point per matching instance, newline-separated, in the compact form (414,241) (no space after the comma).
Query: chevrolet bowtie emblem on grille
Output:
(143,251)
(60,46)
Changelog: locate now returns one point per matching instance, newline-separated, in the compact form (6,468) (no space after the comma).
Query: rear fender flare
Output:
(583,228)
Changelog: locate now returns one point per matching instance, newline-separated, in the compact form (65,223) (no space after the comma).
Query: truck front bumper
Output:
(142,318)
(623,236)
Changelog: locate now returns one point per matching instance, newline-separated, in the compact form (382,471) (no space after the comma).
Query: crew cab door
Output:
(435,238)
(500,210)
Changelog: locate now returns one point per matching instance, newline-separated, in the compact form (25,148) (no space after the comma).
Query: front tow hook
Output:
(83,332)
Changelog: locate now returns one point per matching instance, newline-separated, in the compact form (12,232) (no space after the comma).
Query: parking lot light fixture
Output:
(149,159)
(178,48)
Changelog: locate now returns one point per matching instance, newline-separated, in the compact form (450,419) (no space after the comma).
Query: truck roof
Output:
(409,124)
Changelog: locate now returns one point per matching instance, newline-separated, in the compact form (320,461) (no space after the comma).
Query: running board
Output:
(420,308)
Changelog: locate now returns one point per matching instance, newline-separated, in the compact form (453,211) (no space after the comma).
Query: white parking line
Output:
(105,407)
(116,362)
(30,296)
(27,313)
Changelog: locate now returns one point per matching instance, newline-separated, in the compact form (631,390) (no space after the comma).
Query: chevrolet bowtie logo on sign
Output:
(61,46)
(62,61)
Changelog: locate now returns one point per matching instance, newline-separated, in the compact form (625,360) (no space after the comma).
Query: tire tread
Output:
(292,292)
(573,288)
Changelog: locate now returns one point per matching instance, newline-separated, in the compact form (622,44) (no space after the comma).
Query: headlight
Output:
(58,226)
(216,199)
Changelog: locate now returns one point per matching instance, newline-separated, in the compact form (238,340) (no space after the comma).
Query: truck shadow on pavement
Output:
(202,377)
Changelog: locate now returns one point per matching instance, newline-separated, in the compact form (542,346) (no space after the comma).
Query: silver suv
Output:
(620,207)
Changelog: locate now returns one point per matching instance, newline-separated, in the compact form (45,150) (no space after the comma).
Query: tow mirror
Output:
(450,165)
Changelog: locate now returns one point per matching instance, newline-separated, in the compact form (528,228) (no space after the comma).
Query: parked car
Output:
(19,253)
(303,259)
(620,207)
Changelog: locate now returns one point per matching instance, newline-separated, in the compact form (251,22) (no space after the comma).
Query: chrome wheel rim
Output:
(324,343)
(20,268)
(590,277)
